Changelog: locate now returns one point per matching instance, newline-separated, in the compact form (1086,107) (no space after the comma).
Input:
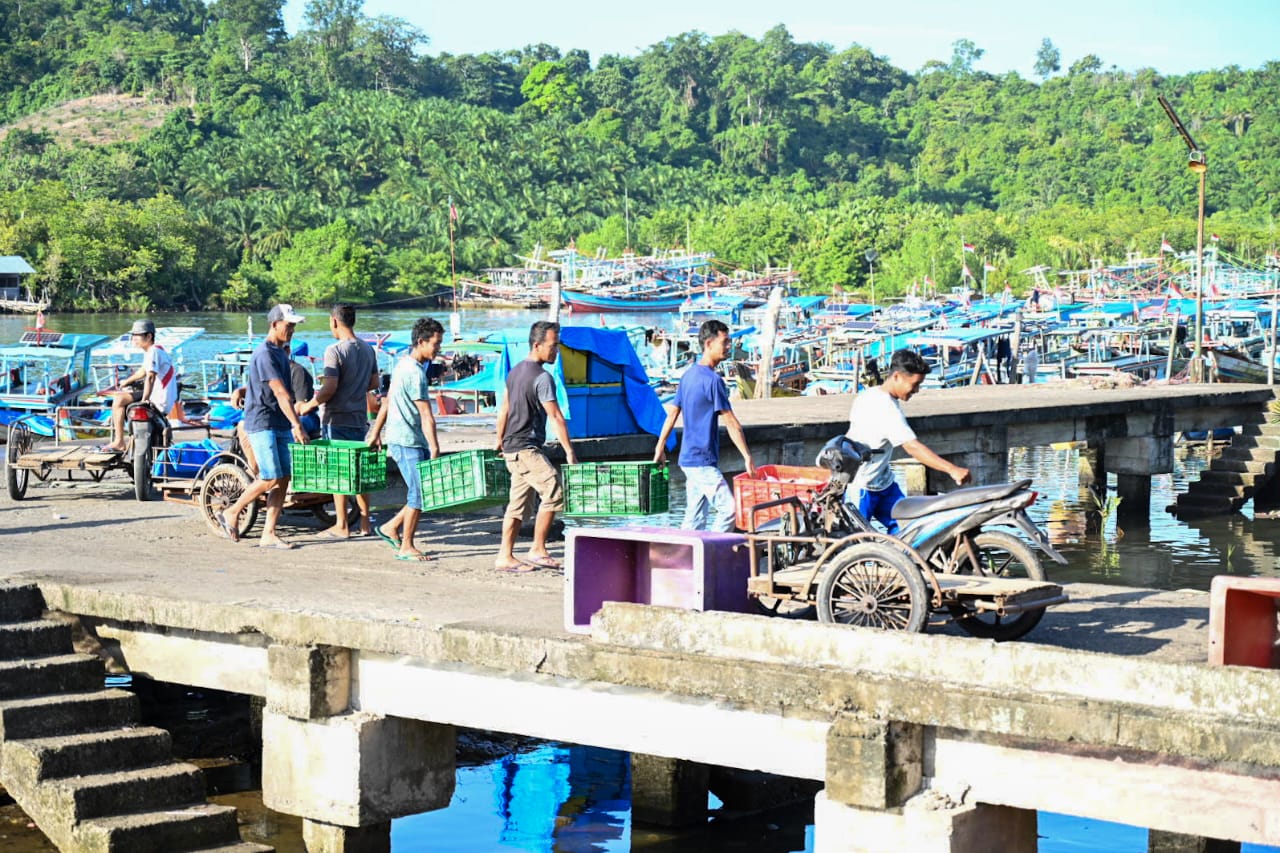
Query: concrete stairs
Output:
(73,755)
(1234,477)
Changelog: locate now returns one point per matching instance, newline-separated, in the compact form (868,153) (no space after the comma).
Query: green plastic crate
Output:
(471,479)
(338,467)
(615,488)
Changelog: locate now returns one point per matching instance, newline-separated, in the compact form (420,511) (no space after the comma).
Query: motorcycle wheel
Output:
(873,586)
(142,464)
(1000,555)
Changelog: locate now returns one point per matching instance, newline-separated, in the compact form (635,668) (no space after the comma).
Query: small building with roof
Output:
(12,269)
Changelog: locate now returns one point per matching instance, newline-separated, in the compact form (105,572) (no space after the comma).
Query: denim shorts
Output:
(344,433)
(271,452)
(407,459)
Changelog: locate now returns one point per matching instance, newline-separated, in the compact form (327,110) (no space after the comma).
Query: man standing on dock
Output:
(269,422)
(530,401)
(703,399)
(411,434)
(876,420)
(350,373)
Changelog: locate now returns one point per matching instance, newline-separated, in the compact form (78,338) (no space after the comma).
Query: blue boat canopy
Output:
(611,345)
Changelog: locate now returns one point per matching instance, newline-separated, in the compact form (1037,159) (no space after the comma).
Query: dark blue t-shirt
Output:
(261,408)
(701,397)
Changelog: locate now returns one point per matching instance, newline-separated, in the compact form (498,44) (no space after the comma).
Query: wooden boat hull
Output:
(1230,367)
(587,303)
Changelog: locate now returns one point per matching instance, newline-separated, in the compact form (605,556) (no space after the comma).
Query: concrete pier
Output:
(366,664)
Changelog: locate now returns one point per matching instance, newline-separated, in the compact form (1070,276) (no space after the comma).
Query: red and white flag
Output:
(1174,291)
(453,211)
(989,267)
(1212,291)
(928,282)
(968,247)
(1214,237)
(1165,245)
(964,271)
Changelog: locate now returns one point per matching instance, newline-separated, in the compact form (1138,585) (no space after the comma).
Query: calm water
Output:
(568,798)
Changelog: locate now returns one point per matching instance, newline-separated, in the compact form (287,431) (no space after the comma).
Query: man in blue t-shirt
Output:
(703,399)
(270,421)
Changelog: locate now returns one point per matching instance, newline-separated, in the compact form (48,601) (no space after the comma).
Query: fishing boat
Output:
(1235,366)
(587,303)
(113,362)
(43,372)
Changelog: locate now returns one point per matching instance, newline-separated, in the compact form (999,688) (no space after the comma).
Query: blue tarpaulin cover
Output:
(611,345)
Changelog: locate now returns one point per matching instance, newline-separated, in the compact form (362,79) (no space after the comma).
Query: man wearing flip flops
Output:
(529,403)
(270,421)
(411,434)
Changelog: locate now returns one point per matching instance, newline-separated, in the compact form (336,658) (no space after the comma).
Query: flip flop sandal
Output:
(414,558)
(541,562)
(520,568)
(227,530)
(377,531)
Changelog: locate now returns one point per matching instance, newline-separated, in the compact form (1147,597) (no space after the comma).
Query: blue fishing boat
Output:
(42,372)
(592,303)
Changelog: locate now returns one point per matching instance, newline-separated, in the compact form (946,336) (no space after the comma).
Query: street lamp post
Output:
(1197,163)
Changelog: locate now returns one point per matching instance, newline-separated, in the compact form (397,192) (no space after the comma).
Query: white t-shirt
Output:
(876,420)
(164,388)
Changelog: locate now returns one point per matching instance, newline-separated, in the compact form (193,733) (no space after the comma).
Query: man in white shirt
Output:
(158,377)
(876,420)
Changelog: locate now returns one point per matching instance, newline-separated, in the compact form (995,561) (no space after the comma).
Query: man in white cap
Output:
(270,422)
(155,381)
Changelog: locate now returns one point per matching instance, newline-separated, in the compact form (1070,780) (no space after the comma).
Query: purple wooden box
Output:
(692,569)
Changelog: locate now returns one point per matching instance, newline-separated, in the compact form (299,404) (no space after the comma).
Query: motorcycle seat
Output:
(918,506)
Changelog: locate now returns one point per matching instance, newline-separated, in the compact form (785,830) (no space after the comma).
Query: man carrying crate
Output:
(269,423)
(529,403)
(411,434)
(703,399)
(350,373)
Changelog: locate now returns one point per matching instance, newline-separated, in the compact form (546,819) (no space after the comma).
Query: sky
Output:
(1173,36)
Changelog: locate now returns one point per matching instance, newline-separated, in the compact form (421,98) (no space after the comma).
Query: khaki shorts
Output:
(532,472)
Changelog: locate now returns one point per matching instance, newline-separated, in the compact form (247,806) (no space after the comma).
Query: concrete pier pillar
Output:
(320,837)
(356,769)
(926,824)
(1176,842)
(668,791)
(1134,461)
(1134,491)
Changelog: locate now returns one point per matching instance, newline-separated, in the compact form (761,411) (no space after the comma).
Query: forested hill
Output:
(230,164)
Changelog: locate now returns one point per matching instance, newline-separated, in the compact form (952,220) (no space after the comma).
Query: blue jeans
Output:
(407,459)
(271,452)
(705,489)
(879,505)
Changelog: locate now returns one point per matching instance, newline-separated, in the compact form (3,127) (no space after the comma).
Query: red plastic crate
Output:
(770,483)
(1243,615)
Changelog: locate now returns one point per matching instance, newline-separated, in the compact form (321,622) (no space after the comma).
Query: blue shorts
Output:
(271,452)
(407,459)
(344,433)
(879,505)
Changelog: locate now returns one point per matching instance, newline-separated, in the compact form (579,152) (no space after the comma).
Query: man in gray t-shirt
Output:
(350,373)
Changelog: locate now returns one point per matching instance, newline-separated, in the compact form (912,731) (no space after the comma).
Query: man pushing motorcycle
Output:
(876,420)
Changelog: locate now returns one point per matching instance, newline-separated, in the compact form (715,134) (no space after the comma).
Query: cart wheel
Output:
(19,442)
(873,586)
(327,516)
(222,487)
(1000,556)
(142,465)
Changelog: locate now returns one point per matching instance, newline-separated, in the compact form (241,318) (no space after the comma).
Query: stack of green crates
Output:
(338,467)
(615,488)
(471,479)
